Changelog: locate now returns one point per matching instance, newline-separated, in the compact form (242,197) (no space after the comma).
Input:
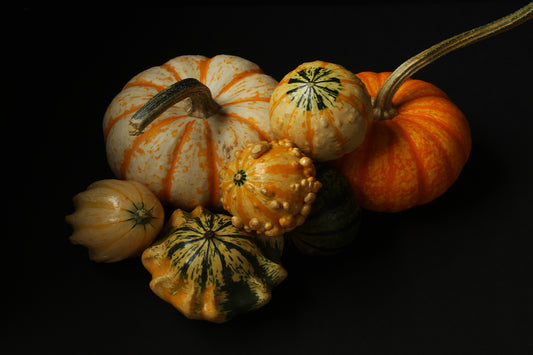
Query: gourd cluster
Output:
(293,161)
(250,164)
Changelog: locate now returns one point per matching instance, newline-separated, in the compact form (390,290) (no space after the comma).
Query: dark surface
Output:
(450,277)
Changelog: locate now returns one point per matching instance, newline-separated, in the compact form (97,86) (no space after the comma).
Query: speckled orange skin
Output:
(278,189)
(413,158)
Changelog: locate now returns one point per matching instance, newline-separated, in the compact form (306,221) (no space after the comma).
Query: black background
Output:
(449,277)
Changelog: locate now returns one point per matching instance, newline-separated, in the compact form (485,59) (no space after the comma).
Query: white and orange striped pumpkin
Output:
(322,107)
(179,156)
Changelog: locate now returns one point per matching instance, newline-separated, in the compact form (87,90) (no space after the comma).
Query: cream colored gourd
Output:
(115,219)
(323,108)
(174,126)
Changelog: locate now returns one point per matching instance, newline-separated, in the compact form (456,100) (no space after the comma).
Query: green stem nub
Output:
(239,178)
(209,234)
(143,216)
(140,215)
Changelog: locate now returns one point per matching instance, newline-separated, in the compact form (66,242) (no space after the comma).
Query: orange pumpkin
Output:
(412,158)
(176,148)
(419,140)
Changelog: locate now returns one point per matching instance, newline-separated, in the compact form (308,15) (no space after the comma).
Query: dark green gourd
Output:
(334,219)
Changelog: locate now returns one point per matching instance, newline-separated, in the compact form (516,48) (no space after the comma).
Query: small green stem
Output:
(140,215)
(383,106)
(143,216)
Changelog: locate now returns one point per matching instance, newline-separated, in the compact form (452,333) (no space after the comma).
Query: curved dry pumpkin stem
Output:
(201,105)
(383,106)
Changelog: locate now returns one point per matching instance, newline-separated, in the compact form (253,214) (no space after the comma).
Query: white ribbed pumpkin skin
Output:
(179,157)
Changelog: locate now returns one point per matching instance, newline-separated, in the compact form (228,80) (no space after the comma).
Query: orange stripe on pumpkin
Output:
(274,103)
(449,167)
(388,165)
(264,136)
(457,136)
(237,78)
(416,89)
(150,133)
(293,117)
(383,76)
(338,134)
(214,160)
(309,131)
(379,146)
(171,70)
(247,99)
(371,82)
(113,120)
(167,180)
(421,173)
(350,82)
(204,68)
(144,83)
(351,99)
(451,163)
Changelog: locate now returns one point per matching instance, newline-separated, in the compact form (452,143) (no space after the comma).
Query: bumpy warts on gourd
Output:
(269,187)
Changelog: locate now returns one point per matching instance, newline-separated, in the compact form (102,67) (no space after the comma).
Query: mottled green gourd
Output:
(334,219)
(209,269)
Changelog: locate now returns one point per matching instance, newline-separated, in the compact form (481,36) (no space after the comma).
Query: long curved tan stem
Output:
(202,104)
(383,106)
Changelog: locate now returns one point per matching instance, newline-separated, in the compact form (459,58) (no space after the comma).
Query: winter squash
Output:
(173,126)
(335,216)
(412,158)
(323,108)
(269,187)
(419,140)
(115,219)
(209,269)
